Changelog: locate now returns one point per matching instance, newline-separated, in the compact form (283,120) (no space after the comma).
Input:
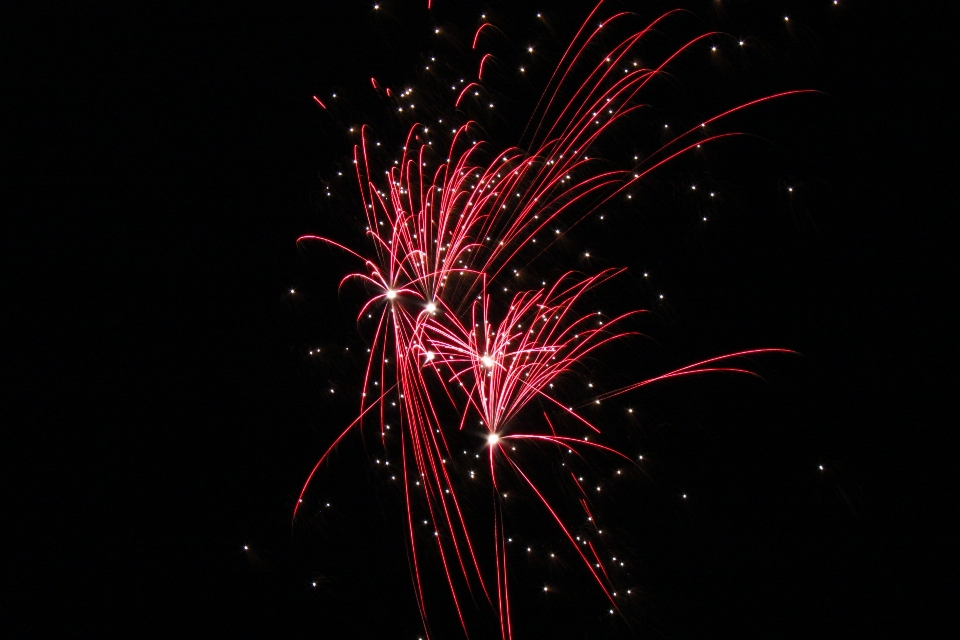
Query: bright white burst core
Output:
(391,294)
(430,355)
(487,361)
(492,439)
(431,307)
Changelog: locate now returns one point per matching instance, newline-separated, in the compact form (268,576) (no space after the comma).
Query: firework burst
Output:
(457,350)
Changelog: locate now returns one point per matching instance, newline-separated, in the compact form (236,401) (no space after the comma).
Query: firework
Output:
(457,350)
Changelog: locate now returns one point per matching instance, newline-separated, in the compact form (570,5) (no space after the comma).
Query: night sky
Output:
(164,408)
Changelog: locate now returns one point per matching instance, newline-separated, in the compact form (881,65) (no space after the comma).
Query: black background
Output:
(164,411)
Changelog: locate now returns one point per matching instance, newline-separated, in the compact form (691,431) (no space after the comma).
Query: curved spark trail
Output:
(449,230)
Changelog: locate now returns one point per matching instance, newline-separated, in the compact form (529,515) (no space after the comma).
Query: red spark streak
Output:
(482,61)
(441,244)
(477,34)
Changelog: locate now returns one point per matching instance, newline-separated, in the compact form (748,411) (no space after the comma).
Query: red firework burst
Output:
(448,232)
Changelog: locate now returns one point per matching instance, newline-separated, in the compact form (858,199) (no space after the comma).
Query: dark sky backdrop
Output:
(167,412)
